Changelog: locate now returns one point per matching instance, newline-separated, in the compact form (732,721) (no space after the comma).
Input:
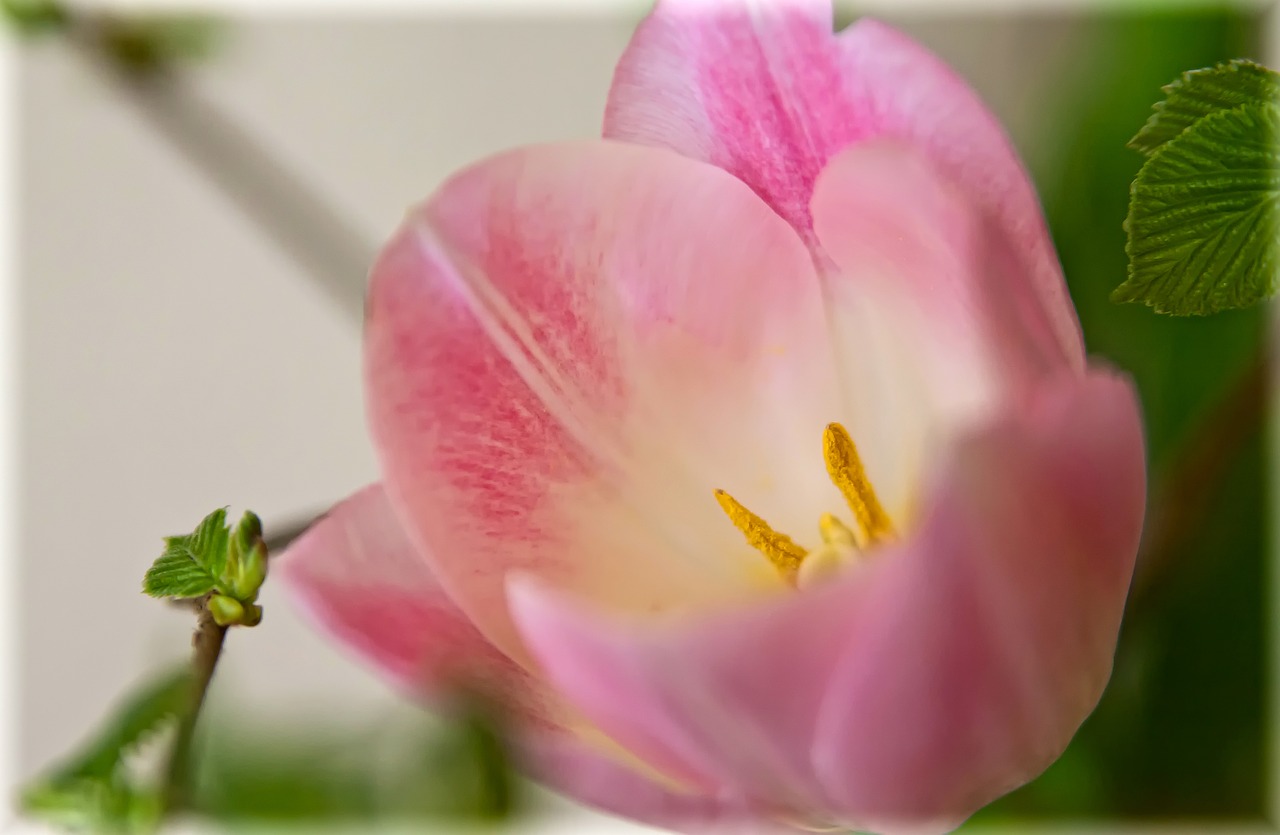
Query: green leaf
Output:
(191,565)
(109,805)
(1200,93)
(92,789)
(159,700)
(1203,216)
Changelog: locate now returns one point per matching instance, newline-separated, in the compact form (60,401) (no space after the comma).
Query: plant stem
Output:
(206,646)
(263,184)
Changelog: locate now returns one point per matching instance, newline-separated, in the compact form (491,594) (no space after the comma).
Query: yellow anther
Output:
(844,465)
(778,547)
(840,543)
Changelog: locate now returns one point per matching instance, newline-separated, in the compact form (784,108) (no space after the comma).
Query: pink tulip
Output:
(750,457)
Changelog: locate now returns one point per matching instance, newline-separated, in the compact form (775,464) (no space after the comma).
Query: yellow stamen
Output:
(778,547)
(844,465)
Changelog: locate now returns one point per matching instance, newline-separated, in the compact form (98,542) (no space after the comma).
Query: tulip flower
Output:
(749,456)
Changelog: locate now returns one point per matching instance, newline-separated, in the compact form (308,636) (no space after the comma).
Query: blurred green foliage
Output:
(154,42)
(33,17)
(95,790)
(140,43)
(454,768)
(1181,730)
(412,769)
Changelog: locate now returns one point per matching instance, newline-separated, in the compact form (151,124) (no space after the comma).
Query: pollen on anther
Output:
(844,466)
(778,547)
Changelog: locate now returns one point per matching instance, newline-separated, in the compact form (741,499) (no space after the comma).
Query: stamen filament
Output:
(844,465)
(778,547)
(835,532)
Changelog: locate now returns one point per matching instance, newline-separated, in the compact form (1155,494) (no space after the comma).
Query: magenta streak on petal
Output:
(555,344)
(772,85)
(359,576)
(769,93)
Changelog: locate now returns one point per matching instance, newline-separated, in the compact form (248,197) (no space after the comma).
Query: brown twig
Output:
(206,645)
(263,184)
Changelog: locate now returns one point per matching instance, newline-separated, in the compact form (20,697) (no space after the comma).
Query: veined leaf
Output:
(191,565)
(1201,92)
(1204,216)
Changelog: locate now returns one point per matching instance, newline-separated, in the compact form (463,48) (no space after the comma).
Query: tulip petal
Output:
(768,92)
(357,574)
(568,349)
(750,87)
(926,681)
(917,98)
(990,637)
(735,696)
(566,765)
(936,324)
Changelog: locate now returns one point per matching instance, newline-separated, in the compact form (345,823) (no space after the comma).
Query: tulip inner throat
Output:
(840,543)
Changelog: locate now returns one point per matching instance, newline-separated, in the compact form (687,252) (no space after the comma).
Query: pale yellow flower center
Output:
(840,544)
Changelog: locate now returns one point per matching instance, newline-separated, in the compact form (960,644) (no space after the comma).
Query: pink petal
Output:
(768,93)
(936,676)
(918,98)
(936,324)
(904,235)
(753,88)
(357,575)
(572,768)
(734,697)
(568,349)
(990,637)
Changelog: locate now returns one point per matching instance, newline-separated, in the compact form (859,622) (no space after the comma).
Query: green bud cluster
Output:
(246,569)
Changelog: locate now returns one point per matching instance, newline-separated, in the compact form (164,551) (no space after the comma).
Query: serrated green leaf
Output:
(191,565)
(1204,216)
(1200,93)
(211,540)
(176,575)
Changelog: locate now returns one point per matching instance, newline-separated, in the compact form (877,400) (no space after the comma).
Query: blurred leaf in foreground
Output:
(33,17)
(455,769)
(97,789)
